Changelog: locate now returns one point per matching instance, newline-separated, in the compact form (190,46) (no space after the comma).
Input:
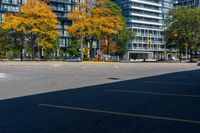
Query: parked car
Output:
(73,59)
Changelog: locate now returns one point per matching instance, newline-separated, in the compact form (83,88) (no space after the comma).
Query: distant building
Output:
(189,3)
(167,5)
(145,17)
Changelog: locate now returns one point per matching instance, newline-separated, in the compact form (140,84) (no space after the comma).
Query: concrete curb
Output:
(89,63)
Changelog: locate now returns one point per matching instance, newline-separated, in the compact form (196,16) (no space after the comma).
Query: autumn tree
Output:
(110,27)
(95,19)
(36,22)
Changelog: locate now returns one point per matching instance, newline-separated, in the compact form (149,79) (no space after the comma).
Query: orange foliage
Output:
(94,18)
(36,18)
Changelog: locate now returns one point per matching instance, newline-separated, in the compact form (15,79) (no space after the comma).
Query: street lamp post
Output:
(81,42)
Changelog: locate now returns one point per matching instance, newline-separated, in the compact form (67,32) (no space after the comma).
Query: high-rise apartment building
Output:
(60,7)
(189,3)
(167,5)
(9,6)
(145,17)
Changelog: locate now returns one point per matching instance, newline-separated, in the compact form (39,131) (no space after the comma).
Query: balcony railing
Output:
(147,48)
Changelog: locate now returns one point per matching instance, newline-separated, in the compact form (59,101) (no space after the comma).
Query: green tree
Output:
(5,43)
(123,39)
(19,42)
(183,28)
(73,48)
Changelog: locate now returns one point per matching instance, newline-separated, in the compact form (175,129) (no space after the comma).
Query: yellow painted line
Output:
(154,93)
(113,64)
(121,113)
(96,62)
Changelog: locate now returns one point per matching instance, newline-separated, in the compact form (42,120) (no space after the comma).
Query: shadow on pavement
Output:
(160,104)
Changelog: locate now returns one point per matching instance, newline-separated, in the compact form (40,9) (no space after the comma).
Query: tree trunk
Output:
(21,47)
(90,53)
(33,40)
(56,54)
(191,58)
(180,55)
(196,54)
(91,48)
(40,52)
(108,46)
(33,51)
(21,54)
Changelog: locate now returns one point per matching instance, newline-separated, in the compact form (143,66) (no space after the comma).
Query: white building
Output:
(145,17)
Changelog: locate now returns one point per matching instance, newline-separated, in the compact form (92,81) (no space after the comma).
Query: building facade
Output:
(189,3)
(60,7)
(9,6)
(145,17)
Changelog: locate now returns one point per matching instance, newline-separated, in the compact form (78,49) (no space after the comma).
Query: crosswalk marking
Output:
(3,75)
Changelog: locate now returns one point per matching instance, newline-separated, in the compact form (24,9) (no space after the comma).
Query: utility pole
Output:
(81,42)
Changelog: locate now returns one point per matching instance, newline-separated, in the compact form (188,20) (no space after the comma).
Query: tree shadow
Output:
(166,103)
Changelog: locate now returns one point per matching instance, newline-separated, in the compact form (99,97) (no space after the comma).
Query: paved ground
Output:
(99,98)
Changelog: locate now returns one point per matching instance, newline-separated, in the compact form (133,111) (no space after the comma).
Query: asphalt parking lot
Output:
(100,98)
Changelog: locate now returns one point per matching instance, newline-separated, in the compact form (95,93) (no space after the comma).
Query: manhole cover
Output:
(114,78)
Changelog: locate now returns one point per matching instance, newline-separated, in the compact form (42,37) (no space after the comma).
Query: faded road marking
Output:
(154,93)
(3,75)
(122,114)
(173,83)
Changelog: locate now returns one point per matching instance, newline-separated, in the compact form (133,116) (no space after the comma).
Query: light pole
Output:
(81,42)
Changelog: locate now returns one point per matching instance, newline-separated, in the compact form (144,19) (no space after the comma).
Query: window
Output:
(15,1)
(5,1)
